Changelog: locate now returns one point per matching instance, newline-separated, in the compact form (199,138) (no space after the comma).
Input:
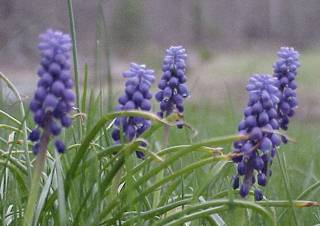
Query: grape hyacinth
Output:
(172,87)
(137,96)
(254,155)
(285,70)
(53,98)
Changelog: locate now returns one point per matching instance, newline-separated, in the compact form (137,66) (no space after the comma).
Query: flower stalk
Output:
(36,178)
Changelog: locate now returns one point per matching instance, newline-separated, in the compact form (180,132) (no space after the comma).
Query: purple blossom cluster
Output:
(172,87)
(254,155)
(285,70)
(137,96)
(53,98)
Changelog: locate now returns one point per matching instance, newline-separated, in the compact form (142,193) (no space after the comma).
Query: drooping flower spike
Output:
(53,98)
(172,87)
(137,96)
(285,70)
(254,155)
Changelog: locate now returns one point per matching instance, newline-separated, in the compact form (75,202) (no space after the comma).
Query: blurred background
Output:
(209,25)
(227,41)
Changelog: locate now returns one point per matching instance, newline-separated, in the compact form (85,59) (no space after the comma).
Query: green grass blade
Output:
(210,177)
(214,203)
(286,184)
(103,44)
(84,89)
(17,173)
(167,192)
(11,118)
(306,192)
(213,218)
(74,50)
(81,208)
(176,156)
(184,171)
(24,124)
(43,196)
(91,135)
(198,214)
(189,148)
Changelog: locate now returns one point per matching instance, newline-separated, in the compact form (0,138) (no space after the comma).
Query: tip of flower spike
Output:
(286,52)
(262,85)
(177,51)
(139,73)
(54,41)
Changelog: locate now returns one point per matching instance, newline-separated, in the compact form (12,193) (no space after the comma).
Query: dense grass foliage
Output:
(184,178)
(96,182)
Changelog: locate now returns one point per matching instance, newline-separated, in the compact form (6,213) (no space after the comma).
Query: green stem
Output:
(36,177)
(107,53)
(286,184)
(61,194)
(159,177)
(165,136)
(74,49)
(288,204)
(75,60)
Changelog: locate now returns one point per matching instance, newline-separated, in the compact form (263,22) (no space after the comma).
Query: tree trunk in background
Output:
(273,16)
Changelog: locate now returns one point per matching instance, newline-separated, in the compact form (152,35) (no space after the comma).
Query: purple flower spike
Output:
(53,99)
(172,88)
(285,70)
(258,123)
(137,96)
